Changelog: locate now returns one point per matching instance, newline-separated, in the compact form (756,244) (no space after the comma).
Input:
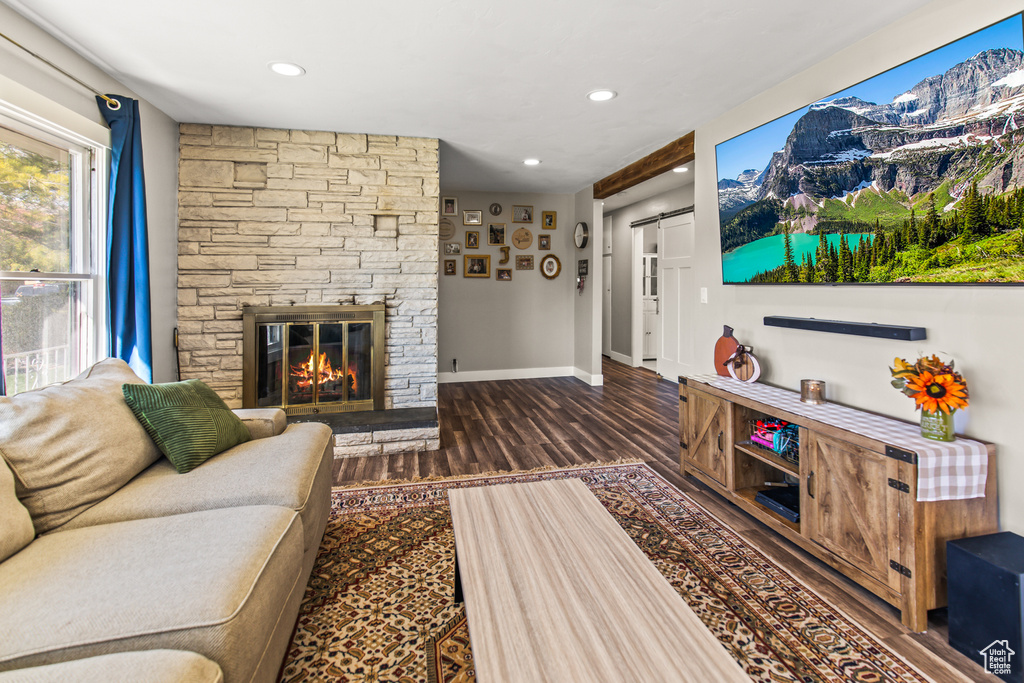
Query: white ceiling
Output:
(497,82)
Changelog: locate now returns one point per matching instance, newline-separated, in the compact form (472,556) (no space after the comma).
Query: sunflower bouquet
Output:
(937,389)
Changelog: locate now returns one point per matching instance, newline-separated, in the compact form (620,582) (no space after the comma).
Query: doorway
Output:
(636,305)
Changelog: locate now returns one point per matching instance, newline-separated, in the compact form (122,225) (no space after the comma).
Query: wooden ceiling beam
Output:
(654,164)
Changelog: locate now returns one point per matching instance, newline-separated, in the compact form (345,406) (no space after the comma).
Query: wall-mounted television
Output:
(913,176)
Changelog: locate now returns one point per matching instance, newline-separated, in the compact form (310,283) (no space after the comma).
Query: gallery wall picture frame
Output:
(446,229)
(476,265)
(550,266)
(472,239)
(449,206)
(543,242)
(449,266)
(494,209)
(549,220)
(522,238)
(452,248)
(503,274)
(495,234)
(522,214)
(524,262)
(472,217)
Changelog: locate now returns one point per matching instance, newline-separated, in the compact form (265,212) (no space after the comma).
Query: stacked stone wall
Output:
(272,217)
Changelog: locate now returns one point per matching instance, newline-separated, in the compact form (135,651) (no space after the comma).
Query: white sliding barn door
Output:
(676,290)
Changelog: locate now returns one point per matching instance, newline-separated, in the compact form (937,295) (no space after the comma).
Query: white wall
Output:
(587,303)
(160,142)
(978,326)
(622,254)
(516,329)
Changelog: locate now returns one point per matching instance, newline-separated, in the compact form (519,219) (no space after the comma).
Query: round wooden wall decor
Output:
(445,229)
(550,266)
(522,238)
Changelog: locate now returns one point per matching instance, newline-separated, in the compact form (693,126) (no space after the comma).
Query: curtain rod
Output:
(661,216)
(111,102)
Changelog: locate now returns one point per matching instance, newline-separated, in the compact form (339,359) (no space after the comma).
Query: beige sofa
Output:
(115,567)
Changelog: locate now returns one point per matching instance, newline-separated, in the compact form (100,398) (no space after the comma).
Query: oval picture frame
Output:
(550,266)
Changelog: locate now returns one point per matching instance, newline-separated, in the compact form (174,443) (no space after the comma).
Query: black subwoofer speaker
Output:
(986,594)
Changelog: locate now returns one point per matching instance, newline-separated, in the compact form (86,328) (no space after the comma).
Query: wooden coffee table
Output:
(556,592)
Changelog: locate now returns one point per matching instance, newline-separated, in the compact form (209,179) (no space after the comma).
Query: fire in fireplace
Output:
(313,359)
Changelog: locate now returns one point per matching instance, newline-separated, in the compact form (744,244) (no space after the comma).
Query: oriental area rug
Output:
(379,604)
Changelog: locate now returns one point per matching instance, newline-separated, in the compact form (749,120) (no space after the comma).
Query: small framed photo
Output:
(452,248)
(476,265)
(522,214)
(495,234)
(524,262)
(449,206)
(472,239)
(449,266)
(549,220)
(504,274)
(472,217)
(543,242)
(550,266)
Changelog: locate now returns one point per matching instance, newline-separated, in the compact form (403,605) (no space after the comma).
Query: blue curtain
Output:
(131,337)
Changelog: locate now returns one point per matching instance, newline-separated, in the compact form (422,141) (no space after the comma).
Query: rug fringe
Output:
(493,473)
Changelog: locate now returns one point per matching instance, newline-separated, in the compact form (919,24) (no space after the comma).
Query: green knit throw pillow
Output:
(188,421)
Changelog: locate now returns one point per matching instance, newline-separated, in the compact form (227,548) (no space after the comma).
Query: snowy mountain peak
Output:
(749,177)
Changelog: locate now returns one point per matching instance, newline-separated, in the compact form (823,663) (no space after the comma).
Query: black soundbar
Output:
(904,332)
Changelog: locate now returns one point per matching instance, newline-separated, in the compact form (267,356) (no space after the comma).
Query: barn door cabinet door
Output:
(849,507)
(708,436)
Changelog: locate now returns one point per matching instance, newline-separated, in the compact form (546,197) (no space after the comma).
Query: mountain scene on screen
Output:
(927,187)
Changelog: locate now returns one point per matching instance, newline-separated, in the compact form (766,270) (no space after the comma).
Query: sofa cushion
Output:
(262,422)
(187,420)
(292,470)
(223,583)
(15,521)
(73,444)
(148,666)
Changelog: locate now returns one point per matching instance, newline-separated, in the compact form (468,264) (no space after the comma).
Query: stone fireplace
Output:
(294,218)
(313,359)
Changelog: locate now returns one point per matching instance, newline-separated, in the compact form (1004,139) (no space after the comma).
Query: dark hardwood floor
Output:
(524,424)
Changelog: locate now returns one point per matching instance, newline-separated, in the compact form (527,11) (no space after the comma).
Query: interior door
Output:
(676,293)
(851,509)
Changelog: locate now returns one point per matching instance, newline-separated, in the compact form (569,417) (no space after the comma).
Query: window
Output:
(49,252)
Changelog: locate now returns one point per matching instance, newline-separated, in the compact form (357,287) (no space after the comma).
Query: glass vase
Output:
(937,426)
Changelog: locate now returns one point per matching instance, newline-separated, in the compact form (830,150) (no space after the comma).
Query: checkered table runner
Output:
(945,471)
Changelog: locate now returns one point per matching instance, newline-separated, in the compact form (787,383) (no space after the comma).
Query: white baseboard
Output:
(513,373)
(592,380)
(621,358)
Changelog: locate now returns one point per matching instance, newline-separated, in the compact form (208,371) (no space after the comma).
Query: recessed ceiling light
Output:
(286,68)
(601,95)
(680,169)
(531,162)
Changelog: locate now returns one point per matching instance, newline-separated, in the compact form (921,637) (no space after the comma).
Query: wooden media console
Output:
(859,477)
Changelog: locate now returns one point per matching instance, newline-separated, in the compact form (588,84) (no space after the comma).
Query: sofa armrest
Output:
(262,422)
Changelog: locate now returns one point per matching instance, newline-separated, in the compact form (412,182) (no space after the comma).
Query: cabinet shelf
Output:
(768,457)
(748,494)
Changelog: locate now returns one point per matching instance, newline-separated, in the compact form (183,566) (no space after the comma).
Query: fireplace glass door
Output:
(319,365)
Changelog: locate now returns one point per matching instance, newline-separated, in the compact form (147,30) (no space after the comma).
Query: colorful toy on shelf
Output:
(777,435)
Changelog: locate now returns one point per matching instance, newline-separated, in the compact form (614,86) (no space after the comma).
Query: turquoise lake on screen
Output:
(743,263)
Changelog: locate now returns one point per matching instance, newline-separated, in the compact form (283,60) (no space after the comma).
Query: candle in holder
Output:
(812,391)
